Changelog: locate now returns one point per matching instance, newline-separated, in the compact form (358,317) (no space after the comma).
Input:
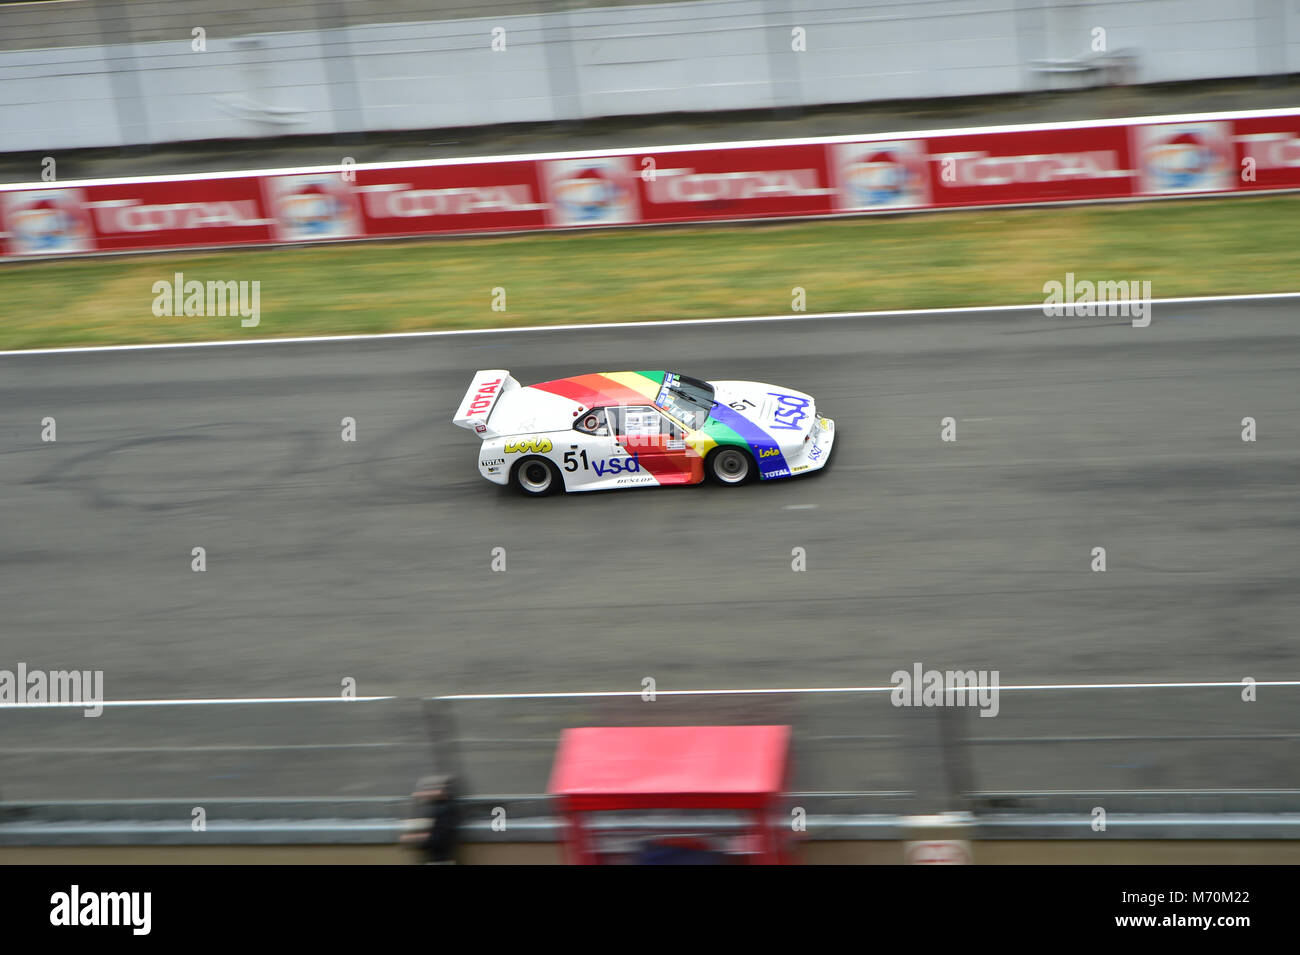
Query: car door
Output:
(651,441)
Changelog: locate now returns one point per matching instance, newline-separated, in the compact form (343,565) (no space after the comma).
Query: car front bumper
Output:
(816,452)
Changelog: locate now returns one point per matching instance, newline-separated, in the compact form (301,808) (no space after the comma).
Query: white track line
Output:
(749,319)
(855,689)
(605,694)
(230,701)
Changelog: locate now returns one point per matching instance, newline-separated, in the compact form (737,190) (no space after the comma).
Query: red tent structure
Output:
(740,769)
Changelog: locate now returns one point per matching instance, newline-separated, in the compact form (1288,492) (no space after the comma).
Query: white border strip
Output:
(607,694)
(748,319)
(681,147)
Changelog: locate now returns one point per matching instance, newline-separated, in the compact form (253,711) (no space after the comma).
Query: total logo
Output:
(1185,157)
(1280,150)
(885,175)
(46,222)
(115,216)
(688,185)
(396,200)
(976,169)
(534,445)
(312,207)
(591,191)
(484,396)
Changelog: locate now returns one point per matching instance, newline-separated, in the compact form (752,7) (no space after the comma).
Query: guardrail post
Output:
(939,766)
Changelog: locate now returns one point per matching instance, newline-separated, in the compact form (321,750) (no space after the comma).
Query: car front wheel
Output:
(730,466)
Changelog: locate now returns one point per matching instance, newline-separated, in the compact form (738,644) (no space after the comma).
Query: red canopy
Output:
(666,767)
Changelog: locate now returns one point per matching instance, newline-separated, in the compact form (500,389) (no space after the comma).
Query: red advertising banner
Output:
(1268,153)
(1096,161)
(749,183)
(1031,166)
(467,197)
(164,215)
(117,216)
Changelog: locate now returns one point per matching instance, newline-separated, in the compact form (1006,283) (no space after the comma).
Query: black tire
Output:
(730,466)
(536,477)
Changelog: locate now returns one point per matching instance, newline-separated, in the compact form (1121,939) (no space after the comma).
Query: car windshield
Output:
(689,400)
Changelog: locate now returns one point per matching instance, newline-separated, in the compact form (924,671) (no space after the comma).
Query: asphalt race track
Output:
(329,560)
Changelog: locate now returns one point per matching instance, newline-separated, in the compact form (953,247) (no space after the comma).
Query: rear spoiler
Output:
(480,400)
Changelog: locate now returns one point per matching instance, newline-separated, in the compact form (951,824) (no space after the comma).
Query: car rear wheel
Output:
(730,466)
(536,477)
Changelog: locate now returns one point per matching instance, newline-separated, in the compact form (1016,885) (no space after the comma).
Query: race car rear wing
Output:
(481,398)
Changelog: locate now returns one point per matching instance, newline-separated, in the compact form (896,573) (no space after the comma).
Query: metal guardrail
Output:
(1156,758)
(335,822)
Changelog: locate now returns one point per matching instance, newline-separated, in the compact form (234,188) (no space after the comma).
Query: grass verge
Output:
(989,257)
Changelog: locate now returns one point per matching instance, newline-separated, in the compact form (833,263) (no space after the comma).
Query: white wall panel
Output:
(704,55)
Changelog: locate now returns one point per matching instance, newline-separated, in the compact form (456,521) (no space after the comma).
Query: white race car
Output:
(636,428)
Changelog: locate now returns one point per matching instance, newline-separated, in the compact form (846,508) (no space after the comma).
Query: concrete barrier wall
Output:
(109,73)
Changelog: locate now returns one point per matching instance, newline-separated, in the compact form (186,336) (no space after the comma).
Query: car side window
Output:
(637,421)
(646,425)
(676,435)
(595,422)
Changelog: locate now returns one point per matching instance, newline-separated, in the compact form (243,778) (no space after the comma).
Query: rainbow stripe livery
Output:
(640,428)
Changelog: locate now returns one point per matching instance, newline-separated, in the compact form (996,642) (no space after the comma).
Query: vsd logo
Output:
(789,411)
(617,466)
